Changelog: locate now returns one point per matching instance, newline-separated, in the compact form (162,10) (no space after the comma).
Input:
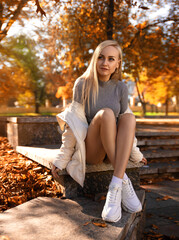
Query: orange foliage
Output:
(64,92)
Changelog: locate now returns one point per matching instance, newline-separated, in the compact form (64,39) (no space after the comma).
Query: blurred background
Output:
(45,45)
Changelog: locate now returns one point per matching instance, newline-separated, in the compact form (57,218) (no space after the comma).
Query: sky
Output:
(35,23)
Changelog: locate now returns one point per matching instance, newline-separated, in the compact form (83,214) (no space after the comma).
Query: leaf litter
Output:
(22,179)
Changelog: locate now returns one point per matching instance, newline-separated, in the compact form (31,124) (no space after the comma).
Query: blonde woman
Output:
(111,130)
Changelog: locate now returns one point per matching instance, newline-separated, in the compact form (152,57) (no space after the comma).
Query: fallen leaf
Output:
(154,226)
(164,198)
(99,223)
(22,179)
(102,198)
(85,224)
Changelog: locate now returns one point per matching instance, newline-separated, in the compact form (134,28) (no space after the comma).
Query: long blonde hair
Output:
(90,75)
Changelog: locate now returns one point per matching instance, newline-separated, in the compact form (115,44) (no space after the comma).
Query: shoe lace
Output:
(129,189)
(113,195)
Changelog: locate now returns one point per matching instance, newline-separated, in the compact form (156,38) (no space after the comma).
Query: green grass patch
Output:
(27,114)
(156,114)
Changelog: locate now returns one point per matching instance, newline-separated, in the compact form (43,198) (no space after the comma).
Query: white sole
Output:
(130,211)
(111,220)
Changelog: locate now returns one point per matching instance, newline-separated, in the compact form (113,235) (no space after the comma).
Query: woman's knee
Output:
(107,114)
(128,118)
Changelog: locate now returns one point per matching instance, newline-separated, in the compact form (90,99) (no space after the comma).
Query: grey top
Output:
(112,94)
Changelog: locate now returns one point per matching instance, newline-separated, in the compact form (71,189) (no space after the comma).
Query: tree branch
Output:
(146,27)
(13,19)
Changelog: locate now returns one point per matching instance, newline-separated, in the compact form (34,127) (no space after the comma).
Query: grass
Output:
(138,114)
(27,114)
(156,114)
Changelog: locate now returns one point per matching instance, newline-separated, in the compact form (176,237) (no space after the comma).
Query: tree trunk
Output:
(166,108)
(36,101)
(143,108)
(141,98)
(109,28)
(36,107)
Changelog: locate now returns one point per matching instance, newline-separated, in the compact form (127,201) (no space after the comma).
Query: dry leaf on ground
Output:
(99,222)
(22,179)
(154,226)
(164,198)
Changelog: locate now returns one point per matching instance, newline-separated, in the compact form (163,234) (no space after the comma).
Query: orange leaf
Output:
(86,223)
(154,226)
(99,223)
(102,198)
(166,197)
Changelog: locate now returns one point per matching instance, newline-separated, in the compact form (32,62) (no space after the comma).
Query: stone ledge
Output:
(157,168)
(97,177)
(48,218)
(158,121)
(156,134)
(46,153)
(158,142)
(41,119)
(156,153)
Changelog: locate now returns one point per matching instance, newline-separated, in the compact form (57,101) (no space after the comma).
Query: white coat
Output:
(72,154)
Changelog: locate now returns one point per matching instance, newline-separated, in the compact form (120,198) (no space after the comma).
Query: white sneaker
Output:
(130,201)
(112,208)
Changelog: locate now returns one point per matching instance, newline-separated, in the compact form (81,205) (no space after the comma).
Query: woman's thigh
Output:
(95,152)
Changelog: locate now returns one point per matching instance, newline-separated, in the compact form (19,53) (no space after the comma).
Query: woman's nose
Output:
(105,61)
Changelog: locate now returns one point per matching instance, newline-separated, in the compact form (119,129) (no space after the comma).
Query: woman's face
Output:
(107,63)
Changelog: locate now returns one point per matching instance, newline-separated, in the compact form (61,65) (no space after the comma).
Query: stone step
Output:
(160,153)
(46,218)
(153,134)
(97,177)
(159,168)
(157,121)
(158,142)
(45,154)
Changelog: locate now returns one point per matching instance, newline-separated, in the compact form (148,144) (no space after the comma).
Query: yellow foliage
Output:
(64,92)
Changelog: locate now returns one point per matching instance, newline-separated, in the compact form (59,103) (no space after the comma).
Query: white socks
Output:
(125,176)
(118,181)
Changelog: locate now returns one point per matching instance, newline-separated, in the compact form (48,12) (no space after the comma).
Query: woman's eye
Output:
(111,59)
(100,57)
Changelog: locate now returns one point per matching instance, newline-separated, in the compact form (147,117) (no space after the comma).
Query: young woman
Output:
(111,129)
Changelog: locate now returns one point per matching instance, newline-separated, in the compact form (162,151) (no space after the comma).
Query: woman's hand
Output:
(144,160)
(55,172)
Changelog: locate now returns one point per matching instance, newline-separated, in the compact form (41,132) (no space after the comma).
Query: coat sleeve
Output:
(66,150)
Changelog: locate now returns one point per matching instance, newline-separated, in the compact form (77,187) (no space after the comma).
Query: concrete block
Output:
(97,178)
(27,131)
(48,218)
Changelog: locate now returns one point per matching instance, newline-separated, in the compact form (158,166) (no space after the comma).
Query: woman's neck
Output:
(104,79)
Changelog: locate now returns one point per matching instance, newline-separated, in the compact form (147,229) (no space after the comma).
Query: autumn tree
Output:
(83,24)
(23,53)
(12,10)
(78,27)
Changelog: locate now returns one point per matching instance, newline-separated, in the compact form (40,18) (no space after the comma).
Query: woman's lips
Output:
(104,68)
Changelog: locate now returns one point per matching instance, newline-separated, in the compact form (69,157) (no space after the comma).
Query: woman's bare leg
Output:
(101,137)
(124,142)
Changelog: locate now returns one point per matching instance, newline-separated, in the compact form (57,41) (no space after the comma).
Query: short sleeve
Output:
(77,90)
(124,98)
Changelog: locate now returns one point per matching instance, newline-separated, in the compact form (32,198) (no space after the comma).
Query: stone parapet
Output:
(27,131)
(3,126)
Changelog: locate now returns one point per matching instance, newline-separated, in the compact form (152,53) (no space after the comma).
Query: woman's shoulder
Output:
(78,86)
(121,85)
(79,80)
